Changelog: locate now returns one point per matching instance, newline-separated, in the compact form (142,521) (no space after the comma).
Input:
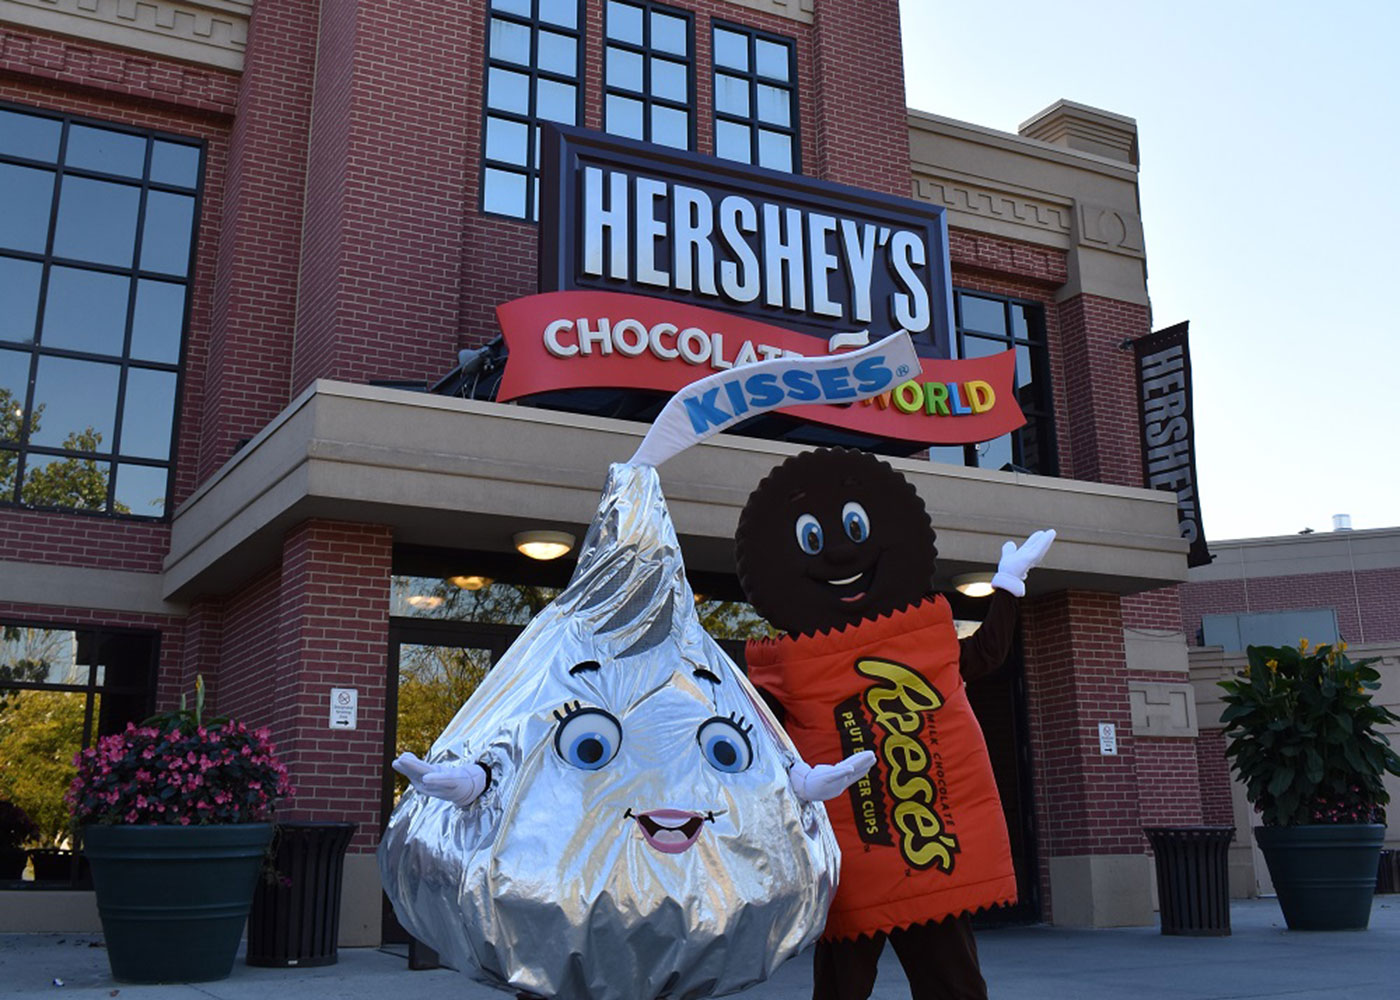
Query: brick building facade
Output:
(342,253)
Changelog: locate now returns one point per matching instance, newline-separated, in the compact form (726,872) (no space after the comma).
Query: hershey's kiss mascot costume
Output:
(836,549)
(614,814)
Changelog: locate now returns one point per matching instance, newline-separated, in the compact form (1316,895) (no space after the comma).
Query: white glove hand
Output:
(459,782)
(1017,562)
(826,781)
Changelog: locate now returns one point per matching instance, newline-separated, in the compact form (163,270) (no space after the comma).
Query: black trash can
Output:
(1388,873)
(1193,878)
(295,920)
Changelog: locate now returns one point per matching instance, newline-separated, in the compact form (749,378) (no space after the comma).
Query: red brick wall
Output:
(332,627)
(385,192)
(1214,768)
(1156,609)
(862,123)
(254,293)
(83,67)
(1367,602)
(1100,389)
(1169,781)
(241,639)
(1085,803)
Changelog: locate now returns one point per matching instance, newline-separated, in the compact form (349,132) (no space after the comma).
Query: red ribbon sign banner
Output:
(589,340)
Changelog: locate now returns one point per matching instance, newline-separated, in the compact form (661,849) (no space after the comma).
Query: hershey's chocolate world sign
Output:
(793,251)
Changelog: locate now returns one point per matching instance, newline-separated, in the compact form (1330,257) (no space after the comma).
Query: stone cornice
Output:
(1025,189)
(435,468)
(793,10)
(1053,219)
(207,32)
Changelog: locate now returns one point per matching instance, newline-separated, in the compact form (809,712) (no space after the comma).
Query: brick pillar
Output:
(860,114)
(1163,704)
(1094,868)
(1216,805)
(1100,386)
(204,633)
(383,242)
(259,242)
(332,626)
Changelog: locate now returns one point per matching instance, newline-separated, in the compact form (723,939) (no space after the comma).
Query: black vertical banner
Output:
(1168,428)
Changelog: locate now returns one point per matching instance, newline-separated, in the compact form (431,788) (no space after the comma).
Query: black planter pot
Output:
(1324,873)
(173,899)
(52,864)
(12,862)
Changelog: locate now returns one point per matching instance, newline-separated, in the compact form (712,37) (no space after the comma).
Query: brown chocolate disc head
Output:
(832,537)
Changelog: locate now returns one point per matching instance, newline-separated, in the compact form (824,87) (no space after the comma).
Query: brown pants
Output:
(939,960)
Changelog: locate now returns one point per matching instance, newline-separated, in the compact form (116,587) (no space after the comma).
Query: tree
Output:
(434,682)
(733,620)
(11,430)
(72,483)
(39,734)
(29,655)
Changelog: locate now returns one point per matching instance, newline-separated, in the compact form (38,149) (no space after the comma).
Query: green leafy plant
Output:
(1303,735)
(178,768)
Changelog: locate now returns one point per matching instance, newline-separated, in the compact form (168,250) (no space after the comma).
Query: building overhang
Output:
(465,474)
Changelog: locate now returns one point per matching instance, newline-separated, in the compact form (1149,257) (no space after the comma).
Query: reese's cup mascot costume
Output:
(615,814)
(836,549)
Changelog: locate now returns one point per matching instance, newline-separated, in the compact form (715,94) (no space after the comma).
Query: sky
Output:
(1269,145)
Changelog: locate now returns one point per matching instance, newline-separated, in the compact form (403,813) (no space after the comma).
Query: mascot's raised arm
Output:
(836,549)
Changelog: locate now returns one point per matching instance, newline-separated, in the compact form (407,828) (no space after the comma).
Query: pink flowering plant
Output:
(178,769)
(1304,735)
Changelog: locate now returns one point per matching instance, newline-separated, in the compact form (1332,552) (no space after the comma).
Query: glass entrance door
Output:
(434,666)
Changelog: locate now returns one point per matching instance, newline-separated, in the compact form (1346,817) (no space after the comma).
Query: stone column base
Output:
(360,902)
(1102,890)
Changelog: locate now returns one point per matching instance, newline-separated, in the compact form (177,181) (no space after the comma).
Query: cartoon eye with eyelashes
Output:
(725,743)
(587,738)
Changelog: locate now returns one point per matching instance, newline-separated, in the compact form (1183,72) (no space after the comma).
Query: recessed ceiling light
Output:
(543,544)
(973,584)
(474,581)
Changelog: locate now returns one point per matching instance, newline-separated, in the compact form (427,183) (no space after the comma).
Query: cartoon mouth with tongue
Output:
(670,831)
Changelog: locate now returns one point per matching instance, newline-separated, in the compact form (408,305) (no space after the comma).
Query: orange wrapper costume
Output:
(922,836)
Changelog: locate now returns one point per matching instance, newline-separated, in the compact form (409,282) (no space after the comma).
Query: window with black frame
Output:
(534,63)
(989,324)
(60,691)
(97,237)
(649,73)
(756,98)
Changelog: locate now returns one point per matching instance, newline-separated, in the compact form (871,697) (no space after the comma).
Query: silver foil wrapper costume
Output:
(639,837)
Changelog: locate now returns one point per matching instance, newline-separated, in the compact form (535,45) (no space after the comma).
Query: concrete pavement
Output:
(1260,959)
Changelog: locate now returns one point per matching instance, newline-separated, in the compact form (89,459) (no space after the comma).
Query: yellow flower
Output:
(1302,645)
(1342,645)
(1272,665)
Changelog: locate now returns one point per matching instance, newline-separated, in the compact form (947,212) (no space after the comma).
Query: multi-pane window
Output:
(97,234)
(755,98)
(989,324)
(61,690)
(533,68)
(648,73)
